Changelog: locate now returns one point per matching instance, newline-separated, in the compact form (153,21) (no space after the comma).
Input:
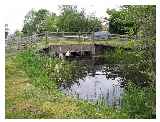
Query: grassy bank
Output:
(139,99)
(31,94)
(111,42)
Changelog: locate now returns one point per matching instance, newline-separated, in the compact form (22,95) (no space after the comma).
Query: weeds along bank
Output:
(139,99)
(31,90)
(30,93)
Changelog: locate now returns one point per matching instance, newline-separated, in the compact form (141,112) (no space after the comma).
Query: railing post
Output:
(17,40)
(63,34)
(79,35)
(46,38)
(93,36)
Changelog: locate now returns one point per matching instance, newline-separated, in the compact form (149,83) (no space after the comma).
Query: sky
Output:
(15,14)
(15,10)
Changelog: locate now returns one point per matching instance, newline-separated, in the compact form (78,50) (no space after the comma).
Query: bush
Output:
(120,56)
(36,67)
(139,102)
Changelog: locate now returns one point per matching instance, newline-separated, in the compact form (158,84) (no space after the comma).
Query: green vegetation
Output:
(70,20)
(139,102)
(120,56)
(37,96)
(31,94)
(133,20)
(139,95)
(110,42)
(32,80)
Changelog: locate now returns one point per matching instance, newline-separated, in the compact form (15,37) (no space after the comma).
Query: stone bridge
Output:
(75,49)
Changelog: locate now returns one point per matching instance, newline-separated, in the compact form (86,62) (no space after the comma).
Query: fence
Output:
(13,44)
(71,35)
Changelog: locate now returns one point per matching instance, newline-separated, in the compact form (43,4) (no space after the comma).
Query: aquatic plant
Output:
(139,102)
(139,74)
(122,56)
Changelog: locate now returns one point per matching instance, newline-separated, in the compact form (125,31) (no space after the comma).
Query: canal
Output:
(100,82)
(96,78)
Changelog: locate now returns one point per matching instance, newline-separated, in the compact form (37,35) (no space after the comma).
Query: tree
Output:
(41,20)
(135,18)
(29,23)
(144,17)
(52,22)
(120,23)
(72,20)
(35,21)
(18,33)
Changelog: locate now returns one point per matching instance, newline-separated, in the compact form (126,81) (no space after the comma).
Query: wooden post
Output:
(93,50)
(46,38)
(18,39)
(19,43)
(81,52)
(63,34)
(93,36)
(79,35)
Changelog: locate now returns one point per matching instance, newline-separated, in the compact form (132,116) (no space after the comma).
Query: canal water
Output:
(95,78)
(101,82)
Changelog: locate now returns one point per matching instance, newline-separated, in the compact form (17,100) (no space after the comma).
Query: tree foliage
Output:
(29,22)
(52,23)
(119,22)
(70,20)
(74,21)
(141,19)
(18,33)
(35,21)
(136,18)
(138,102)
(41,20)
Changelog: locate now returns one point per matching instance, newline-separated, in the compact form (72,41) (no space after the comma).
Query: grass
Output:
(139,102)
(26,98)
(139,93)
(42,44)
(30,93)
(121,56)
(111,42)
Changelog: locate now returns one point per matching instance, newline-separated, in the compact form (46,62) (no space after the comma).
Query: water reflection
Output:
(92,79)
(96,78)
(100,82)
